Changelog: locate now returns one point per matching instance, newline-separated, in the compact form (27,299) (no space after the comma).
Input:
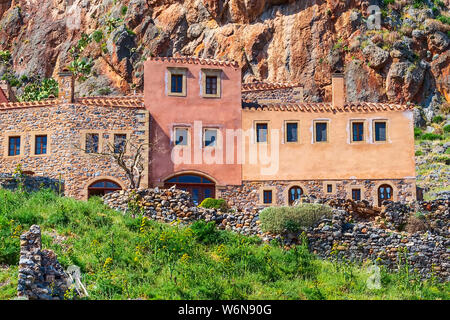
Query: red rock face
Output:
(272,40)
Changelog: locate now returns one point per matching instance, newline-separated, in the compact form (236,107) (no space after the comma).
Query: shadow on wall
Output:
(30,183)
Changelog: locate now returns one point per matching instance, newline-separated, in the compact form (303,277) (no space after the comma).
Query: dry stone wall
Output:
(357,230)
(30,183)
(41,277)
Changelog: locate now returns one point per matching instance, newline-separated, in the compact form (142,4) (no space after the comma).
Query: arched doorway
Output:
(294,194)
(102,187)
(384,193)
(198,186)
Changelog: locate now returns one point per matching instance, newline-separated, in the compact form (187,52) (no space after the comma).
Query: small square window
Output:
(380,131)
(92,142)
(261,132)
(181,136)
(291,132)
(120,141)
(210,138)
(176,83)
(357,131)
(211,85)
(267,195)
(40,144)
(321,133)
(14,146)
(329,188)
(356,194)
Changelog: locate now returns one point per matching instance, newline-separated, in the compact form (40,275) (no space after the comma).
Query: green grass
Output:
(121,257)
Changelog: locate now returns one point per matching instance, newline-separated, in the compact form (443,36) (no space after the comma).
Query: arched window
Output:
(384,193)
(198,186)
(294,194)
(102,187)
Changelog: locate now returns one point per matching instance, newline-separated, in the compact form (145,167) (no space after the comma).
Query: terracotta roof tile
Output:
(111,101)
(29,104)
(195,60)
(326,107)
(261,86)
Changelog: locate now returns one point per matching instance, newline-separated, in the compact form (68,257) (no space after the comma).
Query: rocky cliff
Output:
(397,51)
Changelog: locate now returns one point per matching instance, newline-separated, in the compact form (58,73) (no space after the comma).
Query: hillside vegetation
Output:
(433,158)
(135,258)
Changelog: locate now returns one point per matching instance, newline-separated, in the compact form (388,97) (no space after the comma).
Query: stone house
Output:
(256,144)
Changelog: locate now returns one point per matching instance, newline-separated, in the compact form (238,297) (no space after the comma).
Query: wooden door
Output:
(384,193)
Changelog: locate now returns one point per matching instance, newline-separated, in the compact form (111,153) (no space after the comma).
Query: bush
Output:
(437,119)
(417,133)
(431,136)
(447,128)
(205,232)
(210,203)
(443,19)
(419,153)
(281,219)
(39,90)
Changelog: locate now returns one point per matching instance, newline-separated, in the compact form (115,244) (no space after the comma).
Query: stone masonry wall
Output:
(357,231)
(41,277)
(65,126)
(248,196)
(31,183)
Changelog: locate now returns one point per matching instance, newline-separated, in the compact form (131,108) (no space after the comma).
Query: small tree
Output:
(128,155)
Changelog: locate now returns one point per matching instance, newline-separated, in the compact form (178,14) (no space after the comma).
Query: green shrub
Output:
(97,35)
(39,90)
(281,219)
(437,119)
(443,19)
(417,133)
(210,203)
(5,56)
(419,153)
(205,232)
(447,128)
(431,136)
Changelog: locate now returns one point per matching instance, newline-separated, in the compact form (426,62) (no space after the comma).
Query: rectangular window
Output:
(181,136)
(261,132)
(321,131)
(267,194)
(40,144)
(120,141)
(14,146)
(211,85)
(210,138)
(357,131)
(380,131)
(176,83)
(329,188)
(92,140)
(291,132)
(356,194)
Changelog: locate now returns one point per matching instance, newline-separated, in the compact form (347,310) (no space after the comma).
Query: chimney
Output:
(66,86)
(6,88)
(338,90)
(297,94)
